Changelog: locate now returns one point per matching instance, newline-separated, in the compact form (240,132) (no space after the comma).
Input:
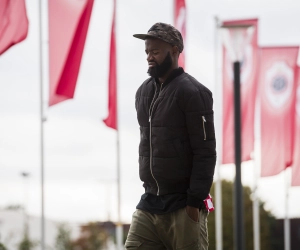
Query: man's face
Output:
(158,56)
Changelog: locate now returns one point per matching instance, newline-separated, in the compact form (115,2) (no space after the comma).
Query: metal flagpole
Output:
(218,183)
(287,227)
(256,222)
(119,223)
(256,168)
(119,229)
(238,187)
(41,128)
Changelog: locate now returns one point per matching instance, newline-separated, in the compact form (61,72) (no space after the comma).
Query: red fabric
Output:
(296,162)
(180,24)
(3,16)
(111,120)
(278,87)
(68,26)
(249,79)
(13,23)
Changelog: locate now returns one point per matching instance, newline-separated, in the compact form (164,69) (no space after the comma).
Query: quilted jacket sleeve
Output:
(200,125)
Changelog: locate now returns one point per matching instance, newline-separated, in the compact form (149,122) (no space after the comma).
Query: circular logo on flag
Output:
(279,84)
(246,65)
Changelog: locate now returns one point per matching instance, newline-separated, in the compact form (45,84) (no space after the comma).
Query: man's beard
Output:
(159,70)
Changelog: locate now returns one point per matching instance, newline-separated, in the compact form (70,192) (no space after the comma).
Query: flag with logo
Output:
(180,24)
(249,79)
(68,26)
(13,23)
(296,162)
(277,90)
(111,120)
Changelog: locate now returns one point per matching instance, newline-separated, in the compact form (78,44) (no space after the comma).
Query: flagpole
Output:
(287,226)
(119,223)
(255,205)
(174,12)
(218,183)
(256,168)
(41,127)
(119,229)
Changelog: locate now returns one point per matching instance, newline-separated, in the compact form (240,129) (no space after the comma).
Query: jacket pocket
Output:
(203,125)
(132,244)
(207,126)
(179,147)
(167,169)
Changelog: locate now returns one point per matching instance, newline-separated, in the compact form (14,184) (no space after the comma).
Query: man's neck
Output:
(165,77)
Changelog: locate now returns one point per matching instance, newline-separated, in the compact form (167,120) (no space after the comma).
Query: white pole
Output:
(218,183)
(255,204)
(256,174)
(41,128)
(119,223)
(256,222)
(287,227)
(119,228)
(25,176)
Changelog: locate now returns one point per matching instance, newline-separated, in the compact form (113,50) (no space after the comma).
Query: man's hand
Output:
(193,213)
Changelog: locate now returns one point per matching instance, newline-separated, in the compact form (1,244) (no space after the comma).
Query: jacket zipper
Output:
(151,157)
(203,122)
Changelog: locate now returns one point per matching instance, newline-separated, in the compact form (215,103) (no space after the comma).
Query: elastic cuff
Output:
(194,202)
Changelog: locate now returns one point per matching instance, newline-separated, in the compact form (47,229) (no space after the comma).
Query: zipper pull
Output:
(204,131)
(150,118)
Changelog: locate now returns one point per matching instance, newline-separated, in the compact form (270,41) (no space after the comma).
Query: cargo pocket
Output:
(192,246)
(203,229)
(207,126)
(132,244)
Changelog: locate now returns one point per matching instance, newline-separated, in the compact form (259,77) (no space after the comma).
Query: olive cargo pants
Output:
(172,231)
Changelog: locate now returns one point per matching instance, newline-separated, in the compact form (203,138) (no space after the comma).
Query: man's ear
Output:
(175,51)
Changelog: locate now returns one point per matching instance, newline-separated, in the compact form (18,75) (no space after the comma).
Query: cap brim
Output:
(143,36)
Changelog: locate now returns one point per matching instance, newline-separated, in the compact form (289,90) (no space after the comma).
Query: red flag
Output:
(3,16)
(180,24)
(249,78)
(296,162)
(13,23)
(111,120)
(278,86)
(68,26)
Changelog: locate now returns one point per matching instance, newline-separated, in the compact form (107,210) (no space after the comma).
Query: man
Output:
(177,153)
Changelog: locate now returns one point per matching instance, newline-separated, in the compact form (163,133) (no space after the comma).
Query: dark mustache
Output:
(153,62)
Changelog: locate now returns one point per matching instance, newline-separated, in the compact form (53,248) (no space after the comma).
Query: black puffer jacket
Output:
(177,148)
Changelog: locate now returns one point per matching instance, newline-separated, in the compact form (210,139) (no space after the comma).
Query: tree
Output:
(93,237)
(2,247)
(63,238)
(267,221)
(27,243)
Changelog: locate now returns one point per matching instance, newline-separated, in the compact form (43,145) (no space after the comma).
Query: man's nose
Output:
(149,57)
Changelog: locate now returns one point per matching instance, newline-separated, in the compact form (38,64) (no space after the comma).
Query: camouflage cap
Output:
(165,32)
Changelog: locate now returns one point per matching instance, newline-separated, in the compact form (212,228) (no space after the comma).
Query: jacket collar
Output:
(175,73)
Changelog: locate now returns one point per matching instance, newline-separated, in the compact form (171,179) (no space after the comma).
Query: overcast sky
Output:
(80,159)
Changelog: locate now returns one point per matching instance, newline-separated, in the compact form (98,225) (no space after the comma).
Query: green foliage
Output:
(267,221)
(26,244)
(93,237)
(63,238)
(2,247)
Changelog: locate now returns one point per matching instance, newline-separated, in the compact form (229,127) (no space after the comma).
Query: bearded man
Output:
(177,151)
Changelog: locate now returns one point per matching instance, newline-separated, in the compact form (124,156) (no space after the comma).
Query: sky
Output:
(80,151)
